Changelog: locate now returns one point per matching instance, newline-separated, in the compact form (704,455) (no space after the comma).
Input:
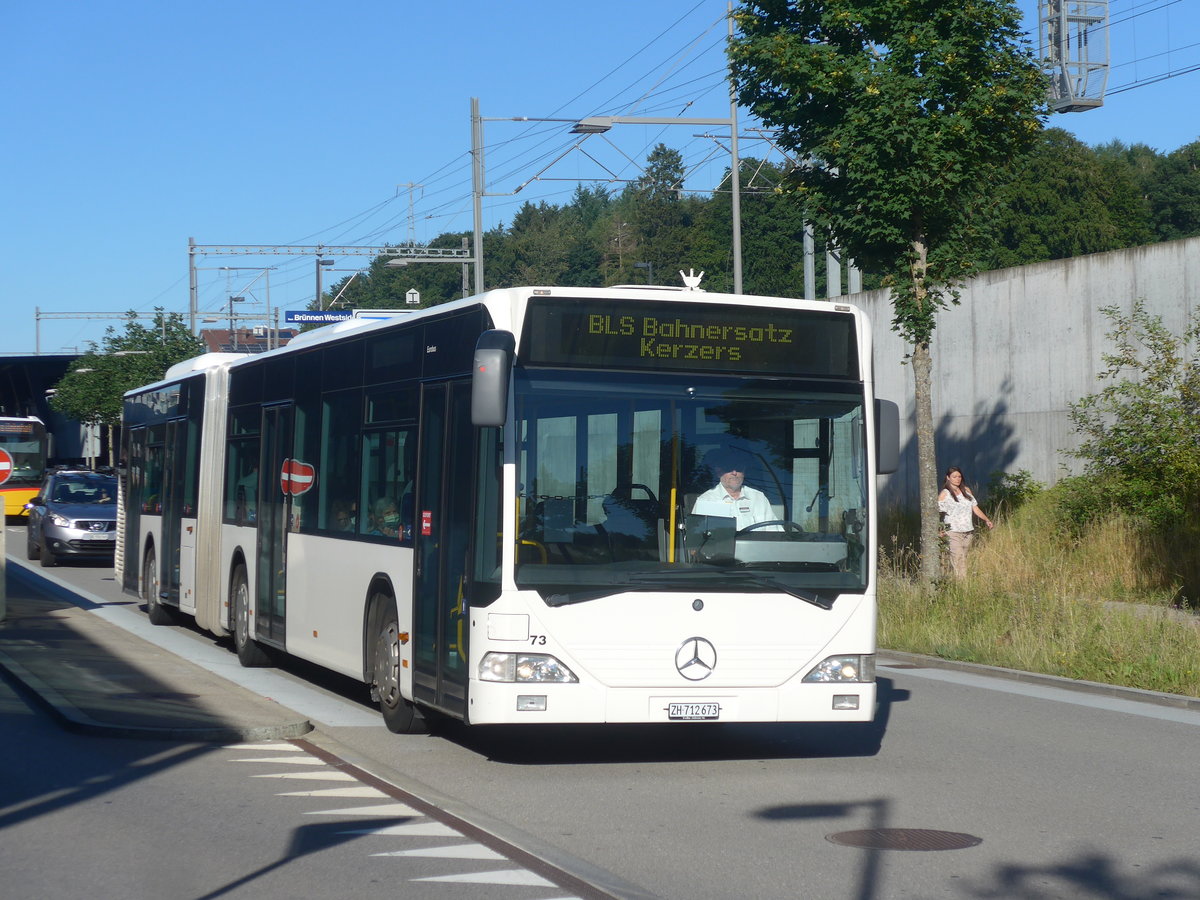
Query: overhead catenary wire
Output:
(669,82)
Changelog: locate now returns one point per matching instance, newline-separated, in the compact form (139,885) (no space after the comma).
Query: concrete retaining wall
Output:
(1023,344)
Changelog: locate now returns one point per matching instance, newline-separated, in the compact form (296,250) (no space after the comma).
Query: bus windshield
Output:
(659,481)
(25,442)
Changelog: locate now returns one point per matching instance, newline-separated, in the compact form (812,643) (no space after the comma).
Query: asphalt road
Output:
(1032,791)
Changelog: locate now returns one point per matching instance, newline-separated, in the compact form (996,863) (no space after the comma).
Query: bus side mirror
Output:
(489,381)
(887,437)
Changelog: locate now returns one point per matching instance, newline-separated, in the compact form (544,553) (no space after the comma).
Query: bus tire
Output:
(250,653)
(399,715)
(155,611)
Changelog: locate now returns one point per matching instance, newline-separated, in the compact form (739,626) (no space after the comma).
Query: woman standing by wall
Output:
(957,504)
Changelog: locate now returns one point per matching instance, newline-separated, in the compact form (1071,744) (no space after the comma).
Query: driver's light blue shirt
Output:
(751,507)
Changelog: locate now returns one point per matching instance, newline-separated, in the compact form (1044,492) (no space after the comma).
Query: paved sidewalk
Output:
(97,678)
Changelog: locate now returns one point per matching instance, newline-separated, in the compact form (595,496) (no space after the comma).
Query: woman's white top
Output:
(957,511)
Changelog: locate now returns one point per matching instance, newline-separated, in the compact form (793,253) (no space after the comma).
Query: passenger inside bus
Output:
(343,516)
(385,518)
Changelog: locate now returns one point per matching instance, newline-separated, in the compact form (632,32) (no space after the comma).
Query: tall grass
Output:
(1098,605)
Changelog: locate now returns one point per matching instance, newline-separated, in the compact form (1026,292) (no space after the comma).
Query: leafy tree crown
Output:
(904,112)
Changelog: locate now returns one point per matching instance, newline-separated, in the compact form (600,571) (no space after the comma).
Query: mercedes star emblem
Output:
(696,658)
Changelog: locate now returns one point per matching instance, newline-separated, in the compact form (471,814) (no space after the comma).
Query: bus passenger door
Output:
(169,559)
(133,498)
(274,510)
(441,535)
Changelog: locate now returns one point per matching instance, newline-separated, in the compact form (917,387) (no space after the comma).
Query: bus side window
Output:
(338,469)
(387,473)
(241,467)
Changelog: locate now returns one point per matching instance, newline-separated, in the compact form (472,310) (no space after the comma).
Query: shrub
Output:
(1139,439)
(1007,493)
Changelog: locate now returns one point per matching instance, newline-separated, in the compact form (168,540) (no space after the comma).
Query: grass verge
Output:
(1093,606)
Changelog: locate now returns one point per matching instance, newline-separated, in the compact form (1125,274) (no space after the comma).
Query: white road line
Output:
(521,877)
(422,826)
(387,809)
(454,851)
(364,792)
(411,829)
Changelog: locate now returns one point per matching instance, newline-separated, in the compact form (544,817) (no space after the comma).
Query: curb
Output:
(1155,698)
(76,721)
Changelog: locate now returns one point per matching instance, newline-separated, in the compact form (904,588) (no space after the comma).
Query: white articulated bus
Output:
(506,509)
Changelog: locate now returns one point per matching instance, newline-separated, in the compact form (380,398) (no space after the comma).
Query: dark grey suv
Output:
(73,516)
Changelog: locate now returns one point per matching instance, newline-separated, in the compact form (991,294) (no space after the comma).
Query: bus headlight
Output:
(842,669)
(524,668)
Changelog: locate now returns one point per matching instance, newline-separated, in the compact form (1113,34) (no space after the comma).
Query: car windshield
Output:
(629,482)
(84,490)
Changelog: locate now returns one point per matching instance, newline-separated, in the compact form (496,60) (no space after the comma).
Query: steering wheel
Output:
(790,527)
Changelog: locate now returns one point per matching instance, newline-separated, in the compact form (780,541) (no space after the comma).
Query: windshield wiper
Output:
(741,574)
(799,593)
(566,598)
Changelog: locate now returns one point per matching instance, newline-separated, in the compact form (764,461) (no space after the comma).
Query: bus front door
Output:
(274,510)
(441,534)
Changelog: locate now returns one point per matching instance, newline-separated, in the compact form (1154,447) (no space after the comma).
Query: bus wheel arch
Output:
(250,653)
(155,611)
(382,662)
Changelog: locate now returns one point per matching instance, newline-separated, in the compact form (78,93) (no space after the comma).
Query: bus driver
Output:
(731,497)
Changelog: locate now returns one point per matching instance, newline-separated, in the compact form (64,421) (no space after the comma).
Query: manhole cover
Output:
(904,839)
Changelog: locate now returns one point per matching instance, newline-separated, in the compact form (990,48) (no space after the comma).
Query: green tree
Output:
(907,111)
(1174,194)
(772,232)
(92,389)
(382,286)
(662,219)
(1065,200)
(539,237)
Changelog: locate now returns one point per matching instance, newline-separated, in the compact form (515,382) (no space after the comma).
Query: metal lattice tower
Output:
(1073,39)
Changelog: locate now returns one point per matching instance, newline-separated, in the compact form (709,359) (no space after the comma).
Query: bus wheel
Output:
(158,614)
(250,653)
(399,715)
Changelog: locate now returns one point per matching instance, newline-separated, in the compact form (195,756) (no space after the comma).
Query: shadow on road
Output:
(588,744)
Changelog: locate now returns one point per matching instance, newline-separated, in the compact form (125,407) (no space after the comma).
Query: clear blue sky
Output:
(132,125)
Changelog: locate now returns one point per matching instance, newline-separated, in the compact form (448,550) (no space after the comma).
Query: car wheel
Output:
(45,556)
(250,653)
(399,715)
(31,549)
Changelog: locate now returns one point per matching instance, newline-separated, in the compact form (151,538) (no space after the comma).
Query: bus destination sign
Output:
(722,338)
